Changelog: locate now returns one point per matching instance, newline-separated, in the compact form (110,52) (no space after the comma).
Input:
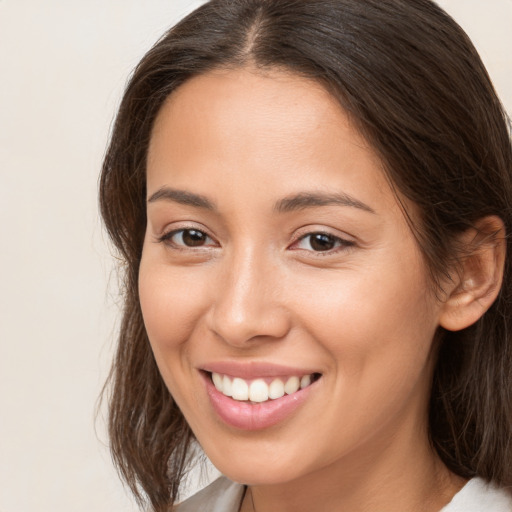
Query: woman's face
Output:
(276,256)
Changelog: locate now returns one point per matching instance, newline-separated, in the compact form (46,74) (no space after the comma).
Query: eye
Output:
(321,242)
(187,238)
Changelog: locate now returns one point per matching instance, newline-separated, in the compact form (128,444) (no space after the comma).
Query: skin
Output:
(361,314)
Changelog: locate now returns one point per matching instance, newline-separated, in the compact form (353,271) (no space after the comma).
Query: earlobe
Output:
(478,279)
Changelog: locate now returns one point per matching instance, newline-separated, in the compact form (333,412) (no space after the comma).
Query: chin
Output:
(258,465)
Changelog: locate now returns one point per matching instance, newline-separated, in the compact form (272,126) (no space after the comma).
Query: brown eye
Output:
(193,237)
(189,238)
(321,242)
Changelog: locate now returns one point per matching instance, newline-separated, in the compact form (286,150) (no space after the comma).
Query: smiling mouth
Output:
(261,389)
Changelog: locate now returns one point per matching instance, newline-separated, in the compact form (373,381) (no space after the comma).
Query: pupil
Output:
(322,242)
(193,238)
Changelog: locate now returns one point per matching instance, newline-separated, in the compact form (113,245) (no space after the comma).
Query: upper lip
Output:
(254,369)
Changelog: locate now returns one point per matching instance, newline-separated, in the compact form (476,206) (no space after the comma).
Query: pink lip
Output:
(249,416)
(253,369)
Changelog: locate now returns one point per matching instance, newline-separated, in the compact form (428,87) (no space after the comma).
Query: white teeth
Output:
(276,389)
(258,390)
(292,385)
(226,386)
(305,381)
(218,381)
(240,389)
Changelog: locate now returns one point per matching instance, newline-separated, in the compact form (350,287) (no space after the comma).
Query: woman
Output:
(312,199)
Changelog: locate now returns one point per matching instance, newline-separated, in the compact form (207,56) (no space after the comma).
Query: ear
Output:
(477,282)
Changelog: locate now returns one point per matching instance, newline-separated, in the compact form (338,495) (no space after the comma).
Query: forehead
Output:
(274,107)
(252,90)
(278,129)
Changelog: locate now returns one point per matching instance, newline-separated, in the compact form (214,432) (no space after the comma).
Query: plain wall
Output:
(63,65)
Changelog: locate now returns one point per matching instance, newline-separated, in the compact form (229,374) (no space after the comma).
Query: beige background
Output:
(63,64)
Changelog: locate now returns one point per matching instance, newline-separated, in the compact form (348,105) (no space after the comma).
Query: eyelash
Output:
(339,244)
(167,238)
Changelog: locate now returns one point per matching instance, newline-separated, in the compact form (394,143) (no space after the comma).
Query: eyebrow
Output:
(305,200)
(300,201)
(181,197)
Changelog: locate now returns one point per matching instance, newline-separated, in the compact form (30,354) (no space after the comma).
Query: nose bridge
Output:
(247,299)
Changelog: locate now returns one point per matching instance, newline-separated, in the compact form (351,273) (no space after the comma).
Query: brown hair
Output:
(412,81)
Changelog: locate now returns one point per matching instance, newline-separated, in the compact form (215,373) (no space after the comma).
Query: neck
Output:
(394,480)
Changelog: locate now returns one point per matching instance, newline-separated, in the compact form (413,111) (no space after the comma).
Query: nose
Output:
(248,302)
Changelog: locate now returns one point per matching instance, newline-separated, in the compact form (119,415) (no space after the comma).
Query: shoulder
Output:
(222,495)
(479,496)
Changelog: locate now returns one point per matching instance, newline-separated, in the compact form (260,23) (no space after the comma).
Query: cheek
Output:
(171,304)
(377,337)
(371,322)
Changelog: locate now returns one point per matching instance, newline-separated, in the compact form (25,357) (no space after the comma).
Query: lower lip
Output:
(249,416)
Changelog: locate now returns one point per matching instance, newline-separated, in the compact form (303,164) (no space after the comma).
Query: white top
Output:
(223,495)
(479,496)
